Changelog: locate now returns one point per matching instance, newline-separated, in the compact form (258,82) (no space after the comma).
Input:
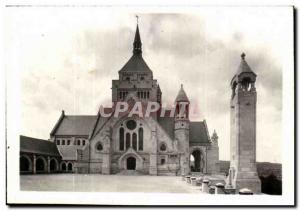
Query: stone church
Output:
(154,145)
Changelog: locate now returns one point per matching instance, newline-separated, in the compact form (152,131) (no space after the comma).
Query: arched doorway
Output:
(197,161)
(70,167)
(53,165)
(40,165)
(63,167)
(25,164)
(131,163)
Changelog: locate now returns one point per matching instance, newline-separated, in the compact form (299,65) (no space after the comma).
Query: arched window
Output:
(127,140)
(134,141)
(163,147)
(99,146)
(121,139)
(141,136)
(70,167)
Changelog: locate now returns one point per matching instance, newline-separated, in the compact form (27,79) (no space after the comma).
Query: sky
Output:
(67,58)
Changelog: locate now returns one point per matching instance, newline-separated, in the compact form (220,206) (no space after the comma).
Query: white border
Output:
(16,196)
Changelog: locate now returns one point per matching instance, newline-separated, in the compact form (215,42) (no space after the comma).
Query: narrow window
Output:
(127,140)
(58,142)
(162,161)
(78,142)
(83,142)
(69,141)
(141,139)
(163,147)
(99,146)
(63,142)
(148,95)
(134,141)
(121,139)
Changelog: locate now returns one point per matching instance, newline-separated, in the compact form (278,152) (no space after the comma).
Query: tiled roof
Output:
(76,125)
(167,123)
(181,96)
(136,64)
(68,152)
(38,146)
(198,133)
(244,67)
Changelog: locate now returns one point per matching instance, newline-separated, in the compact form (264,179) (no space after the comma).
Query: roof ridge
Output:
(32,138)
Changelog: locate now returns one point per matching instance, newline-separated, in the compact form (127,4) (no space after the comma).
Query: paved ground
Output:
(106,183)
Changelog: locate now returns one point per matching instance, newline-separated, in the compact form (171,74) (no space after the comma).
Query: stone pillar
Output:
(193,181)
(34,165)
(245,191)
(219,188)
(205,188)
(48,164)
(188,179)
(153,164)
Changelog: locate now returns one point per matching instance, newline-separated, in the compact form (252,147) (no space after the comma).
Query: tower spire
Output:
(137,44)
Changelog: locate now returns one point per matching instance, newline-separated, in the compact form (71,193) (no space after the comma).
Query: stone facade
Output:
(243,171)
(155,145)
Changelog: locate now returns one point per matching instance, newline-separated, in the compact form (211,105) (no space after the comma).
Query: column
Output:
(48,164)
(34,165)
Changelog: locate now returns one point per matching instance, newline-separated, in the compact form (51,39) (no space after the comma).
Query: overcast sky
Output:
(68,57)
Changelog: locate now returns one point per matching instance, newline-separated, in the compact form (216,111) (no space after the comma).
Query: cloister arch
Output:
(25,164)
(41,164)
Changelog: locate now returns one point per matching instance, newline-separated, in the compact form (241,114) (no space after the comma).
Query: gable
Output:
(198,133)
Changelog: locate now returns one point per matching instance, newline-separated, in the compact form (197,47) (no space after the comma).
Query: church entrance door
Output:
(131,163)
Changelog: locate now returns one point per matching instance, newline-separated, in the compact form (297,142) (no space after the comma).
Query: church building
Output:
(130,144)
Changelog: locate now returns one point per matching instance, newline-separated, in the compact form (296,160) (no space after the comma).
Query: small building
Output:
(38,156)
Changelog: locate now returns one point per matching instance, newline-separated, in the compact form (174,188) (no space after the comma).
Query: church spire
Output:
(137,44)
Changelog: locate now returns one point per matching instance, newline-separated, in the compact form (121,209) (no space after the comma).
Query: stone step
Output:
(130,172)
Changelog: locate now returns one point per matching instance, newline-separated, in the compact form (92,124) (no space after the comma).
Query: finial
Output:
(137,19)
(243,56)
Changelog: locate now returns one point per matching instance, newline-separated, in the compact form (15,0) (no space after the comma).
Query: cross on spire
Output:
(137,44)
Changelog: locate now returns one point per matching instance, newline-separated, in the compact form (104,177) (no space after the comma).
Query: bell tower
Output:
(182,124)
(243,171)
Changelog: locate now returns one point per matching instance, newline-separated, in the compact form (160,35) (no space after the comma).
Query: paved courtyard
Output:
(106,183)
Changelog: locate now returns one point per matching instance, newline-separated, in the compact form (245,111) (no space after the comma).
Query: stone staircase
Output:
(130,172)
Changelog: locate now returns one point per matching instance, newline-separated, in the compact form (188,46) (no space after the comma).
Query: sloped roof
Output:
(136,64)
(38,146)
(198,133)
(69,152)
(167,123)
(244,67)
(76,125)
(181,96)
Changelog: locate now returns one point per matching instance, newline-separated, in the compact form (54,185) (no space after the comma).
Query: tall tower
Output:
(182,124)
(243,171)
(136,78)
